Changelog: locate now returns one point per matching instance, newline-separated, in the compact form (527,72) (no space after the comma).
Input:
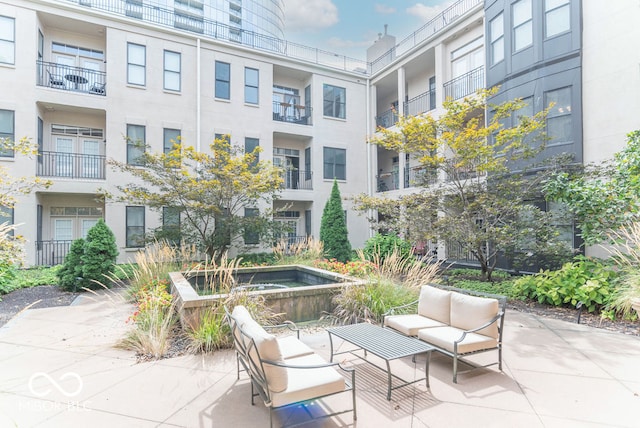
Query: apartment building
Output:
(82,75)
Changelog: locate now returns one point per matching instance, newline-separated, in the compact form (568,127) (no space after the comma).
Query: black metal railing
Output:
(387,118)
(68,78)
(464,85)
(419,176)
(388,180)
(297,179)
(421,104)
(51,253)
(292,113)
(71,165)
(457,253)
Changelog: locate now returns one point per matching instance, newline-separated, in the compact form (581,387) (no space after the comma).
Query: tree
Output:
(604,197)
(99,256)
(210,190)
(482,200)
(333,228)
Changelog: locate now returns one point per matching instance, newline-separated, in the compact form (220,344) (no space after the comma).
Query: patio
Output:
(59,368)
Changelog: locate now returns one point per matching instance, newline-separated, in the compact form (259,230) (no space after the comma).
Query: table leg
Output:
(426,369)
(389,378)
(331,344)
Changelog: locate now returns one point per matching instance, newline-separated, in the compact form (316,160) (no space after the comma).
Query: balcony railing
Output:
(51,253)
(419,176)
(68,78)
(297,179)
(464,85)
(71,165)
(421,104)
(387,119)
(388,181)
(292,113)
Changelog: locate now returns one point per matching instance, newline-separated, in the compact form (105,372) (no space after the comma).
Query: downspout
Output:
(369,161)
(198,89)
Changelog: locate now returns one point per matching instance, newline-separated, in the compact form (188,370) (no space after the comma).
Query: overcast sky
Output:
(349,27)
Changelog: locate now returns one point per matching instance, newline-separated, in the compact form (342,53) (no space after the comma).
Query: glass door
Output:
(64,156)
(91,158)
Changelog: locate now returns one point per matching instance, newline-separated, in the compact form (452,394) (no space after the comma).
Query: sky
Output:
(349,27)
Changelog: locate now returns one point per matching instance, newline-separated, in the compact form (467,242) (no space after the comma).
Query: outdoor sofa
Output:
(455,322)
(282,371)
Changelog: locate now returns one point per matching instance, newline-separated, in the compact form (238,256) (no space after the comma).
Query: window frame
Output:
(251,89)
(167,145)
(333,151)
(333,106)
(169,72)
(8,216)
(560,114)
(493,42)
(251,237)
(518,26)
(10,43)
(219,80)
(556,8)
(132,65)
(9,134)
(133,145)
(171,213)
(129,233)
(250,144)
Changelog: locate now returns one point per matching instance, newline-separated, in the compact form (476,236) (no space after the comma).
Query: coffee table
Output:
(383,343)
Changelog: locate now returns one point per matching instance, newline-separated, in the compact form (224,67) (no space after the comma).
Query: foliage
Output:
(408,272)
(256,259)
(483,204)
(333,228)
(31,277)
(383,245)
(585,280)
(626,255)
(602,197)
(211,333)
(100,253)
(210,190)
(11,255)
(357,268)
(300,253)
(71,269)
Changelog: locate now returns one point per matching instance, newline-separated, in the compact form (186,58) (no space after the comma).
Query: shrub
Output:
(357,268)
(256,259)
(300,253)
(100,252)
(71,269)
(584,280)
(211,333)
(333,228)
(382,245)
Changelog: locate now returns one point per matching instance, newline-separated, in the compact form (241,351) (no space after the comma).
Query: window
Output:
(223,80)
(7,40)
(559,121)
(496,29)
(136,64)
(557,17)
(135,227)
(307,164)
(171,137)
(251,78)
(335,163)
(6,132)
(522,25)
(7,217)
(171,225)
(334,101)
(250,145)
(251,235)
(172,68)
(135,144)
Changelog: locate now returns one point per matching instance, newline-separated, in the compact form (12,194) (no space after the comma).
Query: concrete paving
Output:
(59,368)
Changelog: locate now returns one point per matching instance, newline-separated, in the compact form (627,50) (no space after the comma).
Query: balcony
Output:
(51,253)
(421,104)
(387,119)
(71,165)
(387,181)
(419,176)
(297,179)
(68,78)
(291,113)
(464,85)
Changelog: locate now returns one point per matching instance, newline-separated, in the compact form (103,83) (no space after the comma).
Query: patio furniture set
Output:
(285,372)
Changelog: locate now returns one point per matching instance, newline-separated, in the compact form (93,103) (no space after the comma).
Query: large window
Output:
(7,40)
(136,64)
(251,235)
(171,225)
(559,121)
(171,138)
(251,79)
(335,163)
(136,141)
(334,99)
(557,17)
(522,25)
(135,227)
(172,68)
(496,29)
(250,145)
(7,124)
(223,80)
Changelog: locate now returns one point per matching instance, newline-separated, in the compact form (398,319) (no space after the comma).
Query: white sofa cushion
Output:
(470,312)
(435,303)
(292,347)
(268,348)
(409,324)
(305,384)
(443,337)
(240,315)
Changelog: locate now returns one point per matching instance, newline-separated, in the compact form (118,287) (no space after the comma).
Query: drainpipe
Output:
(370,176)
(198,88)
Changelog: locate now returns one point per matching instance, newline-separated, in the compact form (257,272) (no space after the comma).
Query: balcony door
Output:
(64,156)
(91,160)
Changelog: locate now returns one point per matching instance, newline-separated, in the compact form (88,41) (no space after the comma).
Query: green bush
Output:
(71,269)
(256,259)
(7,275)
(99,258)
(584,280)
(382,245)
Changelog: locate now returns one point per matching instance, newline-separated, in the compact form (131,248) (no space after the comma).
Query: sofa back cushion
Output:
(434,303)
(267,348)
(469,312)
(239,316)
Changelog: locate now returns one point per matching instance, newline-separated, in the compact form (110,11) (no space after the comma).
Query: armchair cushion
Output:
(470,312)
(435,303)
